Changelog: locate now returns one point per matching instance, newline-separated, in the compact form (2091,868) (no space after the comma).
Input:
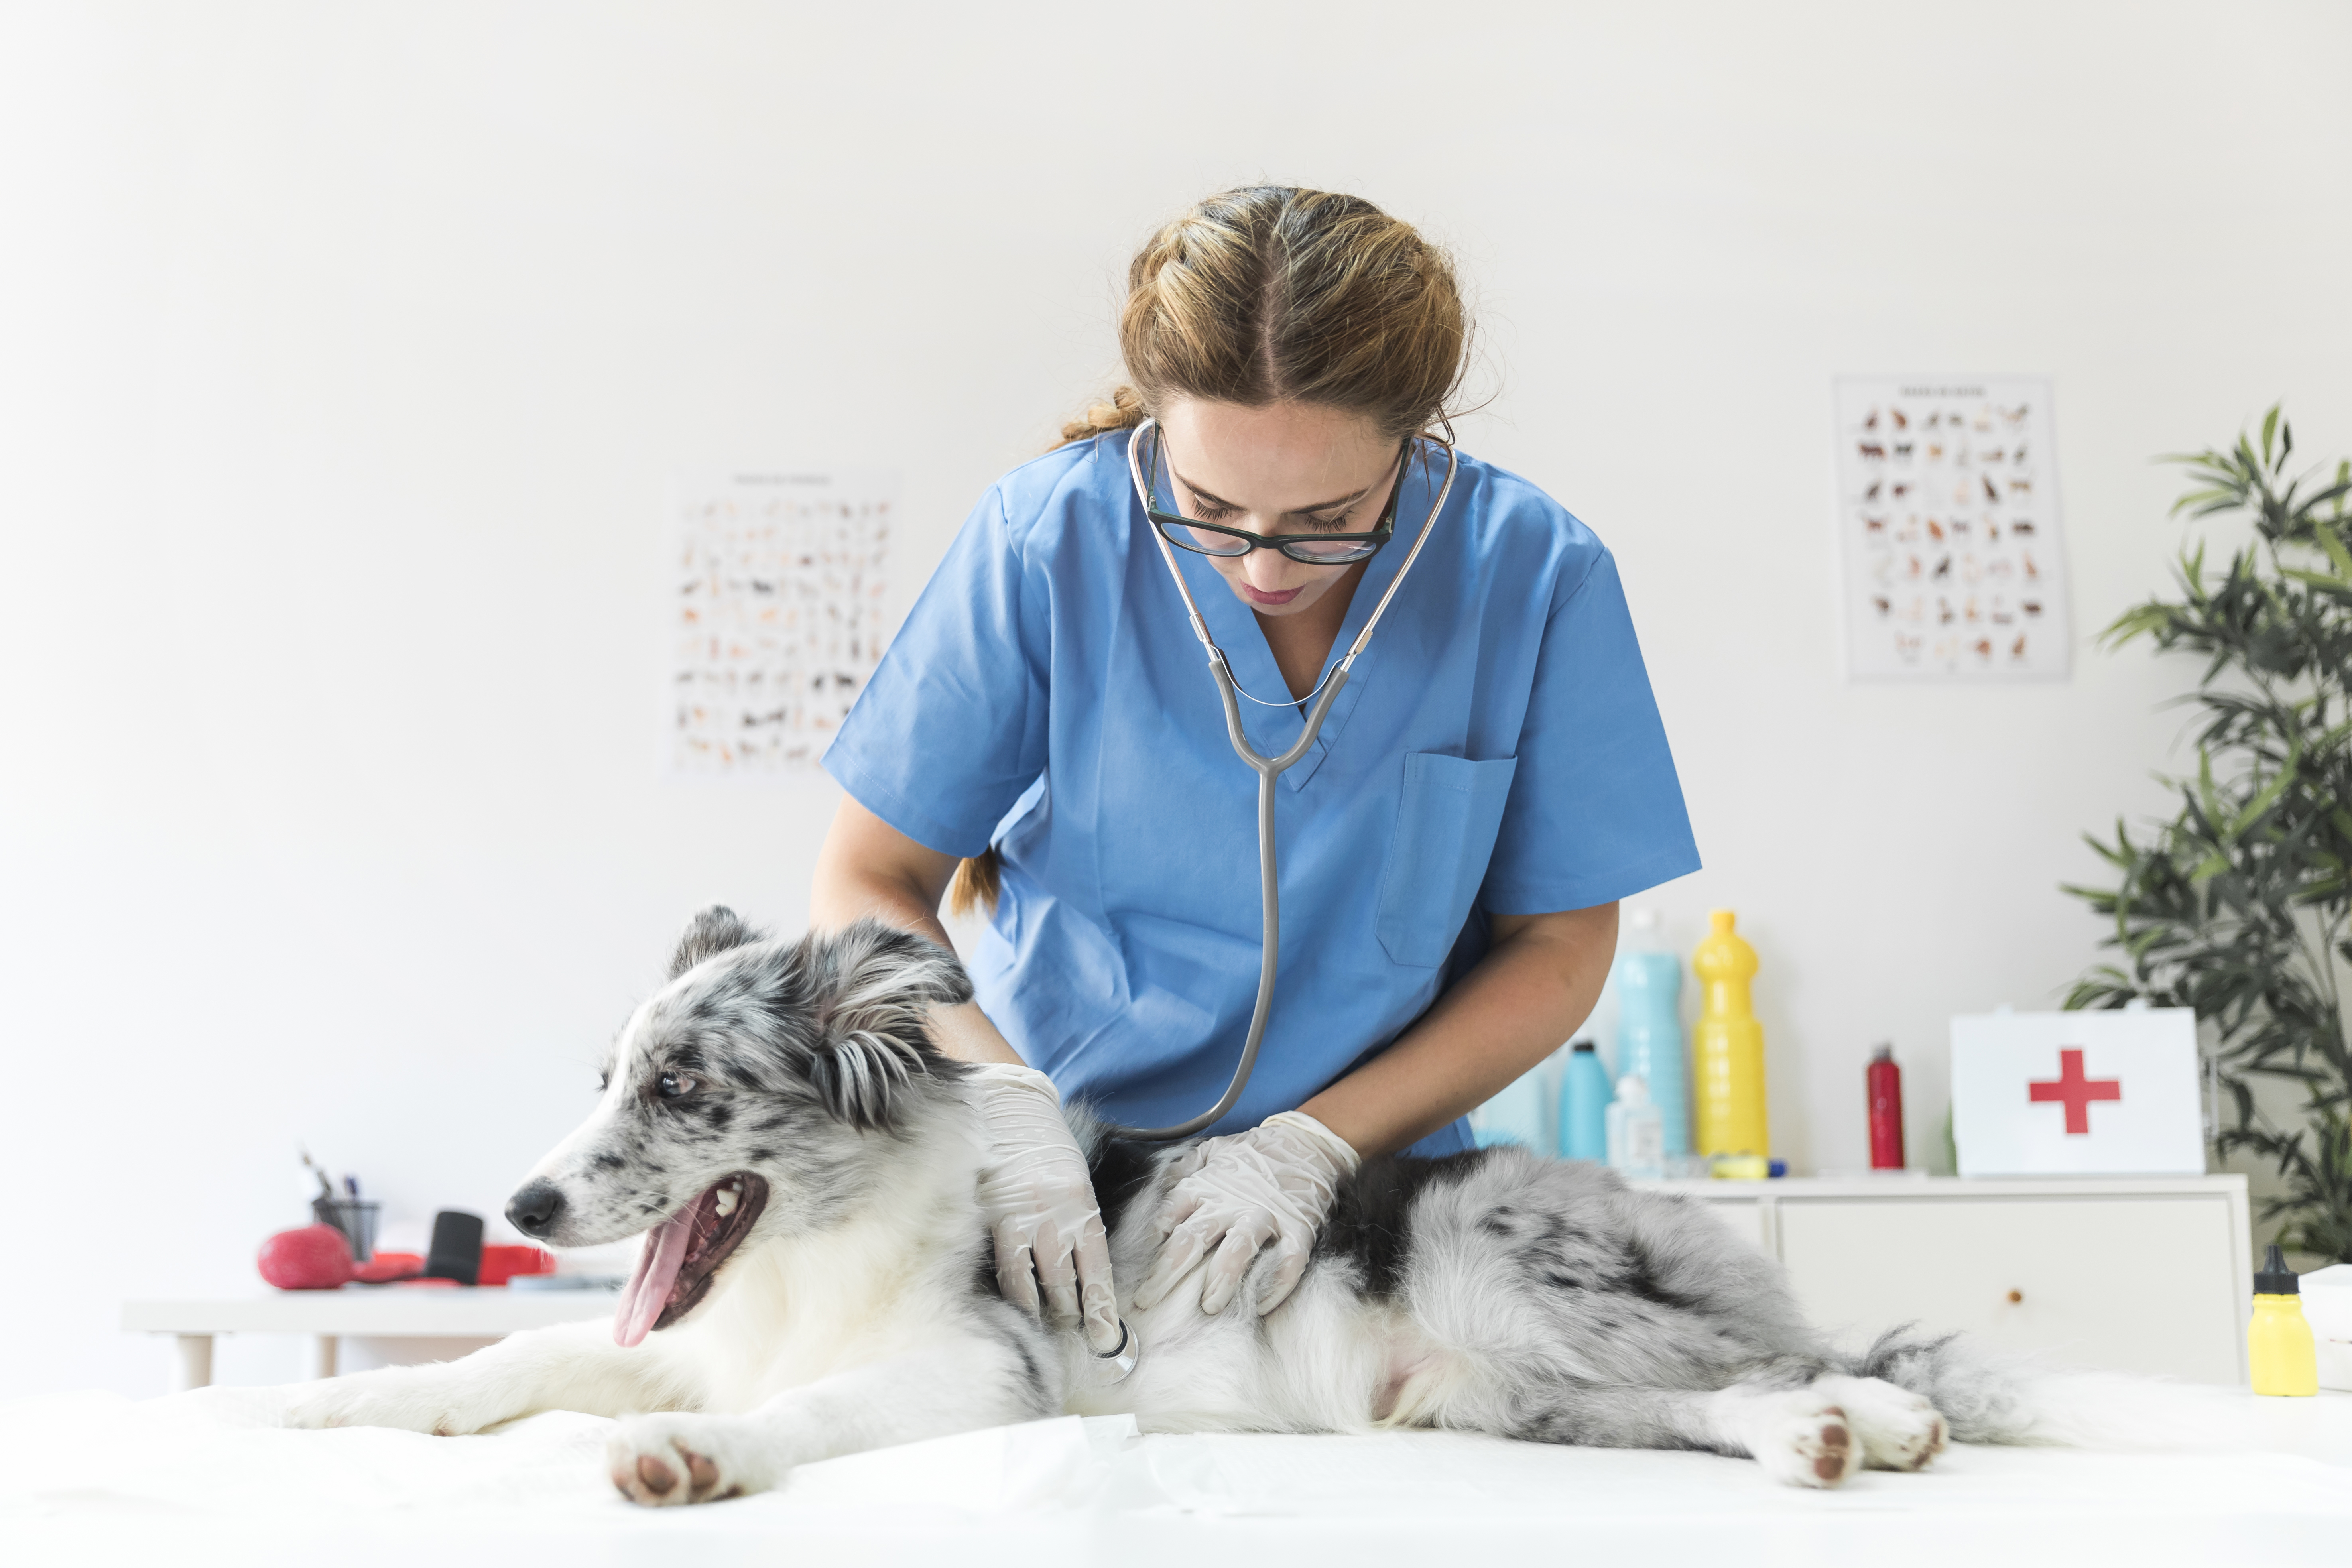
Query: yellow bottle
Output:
(2279,1346)
(1728,1048)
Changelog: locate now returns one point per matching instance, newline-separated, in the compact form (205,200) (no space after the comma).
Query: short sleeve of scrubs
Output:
(971,683)
(1495,745)
(1595,811)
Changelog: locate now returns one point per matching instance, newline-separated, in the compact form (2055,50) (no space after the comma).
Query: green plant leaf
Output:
(2141,620)
(2210,499)
(2265,798)
(2337,555)
(2240,904)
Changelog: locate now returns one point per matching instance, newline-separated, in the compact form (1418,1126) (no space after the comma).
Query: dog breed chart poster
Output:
(1947,515)
(775,616)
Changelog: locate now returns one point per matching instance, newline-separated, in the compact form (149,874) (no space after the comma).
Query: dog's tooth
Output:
(726,1202)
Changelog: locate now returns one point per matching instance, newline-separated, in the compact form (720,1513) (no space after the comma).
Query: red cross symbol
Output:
(2075,1090)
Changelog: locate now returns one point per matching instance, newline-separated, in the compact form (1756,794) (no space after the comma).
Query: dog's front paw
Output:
(397,1396)
(1805,1440)
(1898,1430)
(659,1460)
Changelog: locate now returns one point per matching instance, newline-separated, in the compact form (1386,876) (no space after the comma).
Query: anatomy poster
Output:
(776,616)
(1948,511)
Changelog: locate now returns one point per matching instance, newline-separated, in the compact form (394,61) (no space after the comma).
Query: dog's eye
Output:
(604,1082)
(674,1084)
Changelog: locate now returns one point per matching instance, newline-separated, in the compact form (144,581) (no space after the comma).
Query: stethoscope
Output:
(1116,1365)
(1267,769)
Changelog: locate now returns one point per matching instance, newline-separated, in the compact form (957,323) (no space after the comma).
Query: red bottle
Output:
(1885,1081)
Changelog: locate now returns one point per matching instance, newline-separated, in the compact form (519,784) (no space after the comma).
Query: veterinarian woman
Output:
(1491,779)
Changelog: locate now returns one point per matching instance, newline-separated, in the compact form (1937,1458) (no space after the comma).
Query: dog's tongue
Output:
(647,1291)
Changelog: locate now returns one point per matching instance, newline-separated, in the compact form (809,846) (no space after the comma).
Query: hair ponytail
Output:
(1125,411)
(976,883)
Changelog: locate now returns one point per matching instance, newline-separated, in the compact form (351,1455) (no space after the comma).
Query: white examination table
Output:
(196,1478)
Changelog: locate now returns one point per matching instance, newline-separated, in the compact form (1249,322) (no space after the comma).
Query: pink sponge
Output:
(315,1258)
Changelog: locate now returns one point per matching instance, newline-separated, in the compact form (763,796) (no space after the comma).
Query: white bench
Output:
(455,1312)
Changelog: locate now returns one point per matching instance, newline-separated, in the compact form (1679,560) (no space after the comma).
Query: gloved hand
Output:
(1274,1183)
(1040,1204)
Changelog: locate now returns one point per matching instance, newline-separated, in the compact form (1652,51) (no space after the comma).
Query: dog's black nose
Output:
(534,1210)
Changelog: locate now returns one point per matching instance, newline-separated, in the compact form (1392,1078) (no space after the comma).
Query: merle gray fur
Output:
(1491,1291)
(809,1063)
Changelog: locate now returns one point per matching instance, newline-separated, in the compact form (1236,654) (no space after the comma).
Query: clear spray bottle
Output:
(1637,1140)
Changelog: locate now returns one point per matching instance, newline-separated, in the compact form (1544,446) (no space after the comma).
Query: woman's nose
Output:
(1267,571)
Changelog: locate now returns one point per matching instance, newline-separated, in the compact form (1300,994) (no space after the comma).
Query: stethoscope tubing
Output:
(1268,769)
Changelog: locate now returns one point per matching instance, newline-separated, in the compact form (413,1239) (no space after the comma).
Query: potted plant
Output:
(2238,906)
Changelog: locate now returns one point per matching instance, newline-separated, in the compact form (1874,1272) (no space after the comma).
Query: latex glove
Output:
(1039,1200)
(1271,1184)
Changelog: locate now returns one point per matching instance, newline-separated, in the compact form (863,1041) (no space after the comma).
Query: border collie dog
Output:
(817,1279)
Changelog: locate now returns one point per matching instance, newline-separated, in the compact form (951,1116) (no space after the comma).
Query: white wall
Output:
(346,353)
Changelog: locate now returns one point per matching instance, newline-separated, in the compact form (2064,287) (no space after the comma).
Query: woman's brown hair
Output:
(1272,294)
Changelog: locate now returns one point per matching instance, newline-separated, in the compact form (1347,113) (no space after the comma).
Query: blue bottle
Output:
(1650,1027)
(1584,1095)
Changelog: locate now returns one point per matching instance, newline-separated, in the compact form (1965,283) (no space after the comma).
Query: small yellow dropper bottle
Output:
(2279,1347)
(1728,1048)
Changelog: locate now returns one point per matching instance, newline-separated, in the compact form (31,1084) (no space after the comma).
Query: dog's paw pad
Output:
(1899,1430)
(1828,1449)
(665,1460)
(1807,1442)
(1835,1452)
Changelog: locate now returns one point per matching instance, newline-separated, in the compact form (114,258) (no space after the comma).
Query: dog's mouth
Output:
(683,1253)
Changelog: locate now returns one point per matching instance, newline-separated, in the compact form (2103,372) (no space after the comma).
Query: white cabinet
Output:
(2147,1275)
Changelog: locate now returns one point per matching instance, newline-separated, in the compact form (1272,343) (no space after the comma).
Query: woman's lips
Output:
(1259,596)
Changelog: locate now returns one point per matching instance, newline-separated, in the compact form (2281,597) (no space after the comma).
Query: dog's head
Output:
(756,1093)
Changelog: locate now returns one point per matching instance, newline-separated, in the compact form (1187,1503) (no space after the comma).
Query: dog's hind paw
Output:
(1804,1440)
(662,1460)
(1898,1430)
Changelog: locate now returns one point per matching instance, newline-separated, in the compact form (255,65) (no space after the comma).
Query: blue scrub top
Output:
(1497,749)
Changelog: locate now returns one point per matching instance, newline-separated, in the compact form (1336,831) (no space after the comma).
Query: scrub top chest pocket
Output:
(1445,827)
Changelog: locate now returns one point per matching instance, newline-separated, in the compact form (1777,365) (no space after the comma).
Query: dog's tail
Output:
(1989,1397)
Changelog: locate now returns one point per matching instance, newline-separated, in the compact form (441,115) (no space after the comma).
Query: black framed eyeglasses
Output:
(1312,549)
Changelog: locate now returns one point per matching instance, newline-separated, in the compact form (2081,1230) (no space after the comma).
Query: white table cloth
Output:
(202,1478)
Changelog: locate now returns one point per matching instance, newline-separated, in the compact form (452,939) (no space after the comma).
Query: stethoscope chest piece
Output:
(1115,1366)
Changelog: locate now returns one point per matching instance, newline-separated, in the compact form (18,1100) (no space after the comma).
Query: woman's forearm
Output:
(1534,988)
(868,869)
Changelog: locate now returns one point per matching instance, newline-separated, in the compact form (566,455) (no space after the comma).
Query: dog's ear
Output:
(714,930)
(875,988)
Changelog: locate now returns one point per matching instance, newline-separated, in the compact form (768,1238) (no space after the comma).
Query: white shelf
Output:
(456,1311)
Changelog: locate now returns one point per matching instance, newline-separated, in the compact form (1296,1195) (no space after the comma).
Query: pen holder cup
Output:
(355,1217)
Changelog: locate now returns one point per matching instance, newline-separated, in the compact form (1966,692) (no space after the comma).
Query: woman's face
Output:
(1288,468)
